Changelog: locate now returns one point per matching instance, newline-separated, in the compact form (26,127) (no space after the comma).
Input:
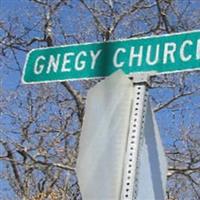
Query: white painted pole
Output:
(129,183)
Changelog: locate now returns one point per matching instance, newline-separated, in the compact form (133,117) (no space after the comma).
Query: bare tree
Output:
(40,124)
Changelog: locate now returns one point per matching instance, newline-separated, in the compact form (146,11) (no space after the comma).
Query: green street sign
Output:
(162,54)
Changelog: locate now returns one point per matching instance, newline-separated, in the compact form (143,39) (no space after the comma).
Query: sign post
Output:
(136,126)
(141,128)
(123,146)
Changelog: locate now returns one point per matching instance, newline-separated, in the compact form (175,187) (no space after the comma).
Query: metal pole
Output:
(129,183)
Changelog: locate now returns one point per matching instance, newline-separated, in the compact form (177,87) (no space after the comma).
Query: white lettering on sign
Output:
(136,55)
(80,64)
(66,61)
(182,51)
(94,57)
(53,63)
(169,50)
(38,68)
(123,57)
(115,57)
(149,53)
(198,50)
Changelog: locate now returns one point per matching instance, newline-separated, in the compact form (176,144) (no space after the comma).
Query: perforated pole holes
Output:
(129,187)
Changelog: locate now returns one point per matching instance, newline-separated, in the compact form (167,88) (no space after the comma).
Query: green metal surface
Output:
(162,54)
